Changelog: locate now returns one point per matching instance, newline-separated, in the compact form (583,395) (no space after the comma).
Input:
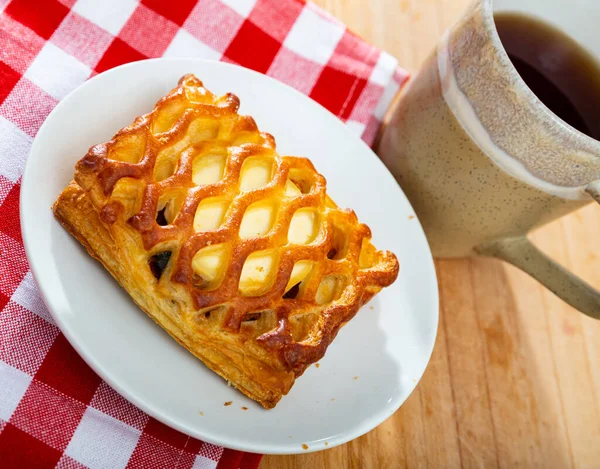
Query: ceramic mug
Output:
(482,159)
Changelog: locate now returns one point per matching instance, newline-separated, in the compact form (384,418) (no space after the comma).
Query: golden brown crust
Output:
(260,342)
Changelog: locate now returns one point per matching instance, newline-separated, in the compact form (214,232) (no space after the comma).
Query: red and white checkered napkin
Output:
(55,411)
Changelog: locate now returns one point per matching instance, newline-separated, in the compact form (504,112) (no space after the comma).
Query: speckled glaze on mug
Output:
(482,159)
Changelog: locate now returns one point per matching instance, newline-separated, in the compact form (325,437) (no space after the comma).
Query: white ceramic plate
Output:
(372,366)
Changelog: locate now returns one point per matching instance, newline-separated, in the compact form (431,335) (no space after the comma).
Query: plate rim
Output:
(365,425)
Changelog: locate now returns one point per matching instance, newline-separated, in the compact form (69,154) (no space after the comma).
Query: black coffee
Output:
(562,74)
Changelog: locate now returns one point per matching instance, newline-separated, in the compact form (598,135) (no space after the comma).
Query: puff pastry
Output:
(236,251)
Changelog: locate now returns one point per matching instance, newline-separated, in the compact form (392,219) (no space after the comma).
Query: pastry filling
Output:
(292,293)
(304,226)
(302,180)
(258,219)
(210,213)
(209,265)
(208,169)
(158,263)
(257,273)
(256,172)
(339,244)
(330,289)
(160,217)
(300,271)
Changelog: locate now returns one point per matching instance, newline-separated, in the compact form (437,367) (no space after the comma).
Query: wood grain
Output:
(514,380)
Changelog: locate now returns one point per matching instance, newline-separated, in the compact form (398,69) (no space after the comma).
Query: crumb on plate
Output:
(304,446)
(228,403)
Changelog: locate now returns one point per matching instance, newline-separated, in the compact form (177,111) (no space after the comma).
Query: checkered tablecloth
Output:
(55,411)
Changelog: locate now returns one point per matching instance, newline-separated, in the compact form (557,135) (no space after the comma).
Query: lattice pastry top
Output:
(236,251)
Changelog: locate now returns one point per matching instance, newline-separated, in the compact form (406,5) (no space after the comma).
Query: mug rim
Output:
(490,25)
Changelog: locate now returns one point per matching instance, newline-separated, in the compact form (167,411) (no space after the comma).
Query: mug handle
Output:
(593,188)
(521,253)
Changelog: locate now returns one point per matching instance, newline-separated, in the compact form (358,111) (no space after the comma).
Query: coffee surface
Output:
(560,72)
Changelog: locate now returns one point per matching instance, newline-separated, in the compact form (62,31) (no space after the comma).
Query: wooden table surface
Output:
(514,380)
